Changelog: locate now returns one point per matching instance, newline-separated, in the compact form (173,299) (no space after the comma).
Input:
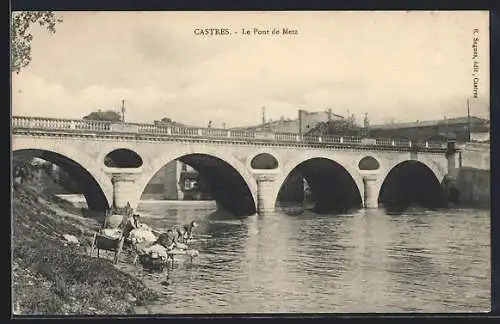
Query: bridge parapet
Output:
(103,127)
(56,123)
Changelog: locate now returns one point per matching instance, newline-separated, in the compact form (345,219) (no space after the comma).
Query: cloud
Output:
(407,66)
(38,97)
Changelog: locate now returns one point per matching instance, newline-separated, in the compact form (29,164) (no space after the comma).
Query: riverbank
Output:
(79,200)
(51,275)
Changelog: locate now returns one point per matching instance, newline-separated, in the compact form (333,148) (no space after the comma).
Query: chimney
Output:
(263,116)
(329,115)
(366,123)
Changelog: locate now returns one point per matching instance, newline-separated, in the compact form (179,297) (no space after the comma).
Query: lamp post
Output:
(123,111)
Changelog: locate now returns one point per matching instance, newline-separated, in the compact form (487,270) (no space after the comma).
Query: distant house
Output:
(437,130)
(303,124)
(309,120)
(278,126)
(457,128)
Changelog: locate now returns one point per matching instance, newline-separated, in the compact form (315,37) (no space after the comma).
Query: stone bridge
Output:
(245,170)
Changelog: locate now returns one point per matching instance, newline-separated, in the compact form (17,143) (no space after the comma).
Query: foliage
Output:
(57,180)
(337,127)
(21,24)
(108,115)
(167,121)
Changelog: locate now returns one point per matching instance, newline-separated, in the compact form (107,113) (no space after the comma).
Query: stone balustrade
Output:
(76,125)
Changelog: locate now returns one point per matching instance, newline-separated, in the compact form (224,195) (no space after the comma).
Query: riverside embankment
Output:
(473,176)
(52,276)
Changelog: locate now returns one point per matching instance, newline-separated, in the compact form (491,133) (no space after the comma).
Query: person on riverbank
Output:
(132,223)
(185,232)
(167,240)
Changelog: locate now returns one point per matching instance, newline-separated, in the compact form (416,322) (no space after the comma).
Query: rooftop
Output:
(284,120)
(429,123)
(269,124)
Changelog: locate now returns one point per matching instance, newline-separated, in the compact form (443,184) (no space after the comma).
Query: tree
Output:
(108,115)
(337,127)
(21,34)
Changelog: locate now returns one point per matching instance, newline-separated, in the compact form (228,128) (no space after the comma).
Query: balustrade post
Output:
(228,133)
(409,143)
(426,144)
(297,138)
(393,143)
(200,132)
(320,139)
(169,130)
(341,140)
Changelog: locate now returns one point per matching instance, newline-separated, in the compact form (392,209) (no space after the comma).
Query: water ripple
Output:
(367,261)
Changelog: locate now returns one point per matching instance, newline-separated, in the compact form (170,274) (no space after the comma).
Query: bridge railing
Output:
(60,124)
(241,134)
(287,137)
(184,131)
(214,132)
(160,130)
(152,129)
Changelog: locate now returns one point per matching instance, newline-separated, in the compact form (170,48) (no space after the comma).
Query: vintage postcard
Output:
(250,162)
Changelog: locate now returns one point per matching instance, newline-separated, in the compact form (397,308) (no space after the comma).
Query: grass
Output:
(51,276)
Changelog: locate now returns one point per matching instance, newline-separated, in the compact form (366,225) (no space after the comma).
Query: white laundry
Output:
(141,235)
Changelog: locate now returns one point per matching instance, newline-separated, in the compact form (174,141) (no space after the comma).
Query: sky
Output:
(394,66)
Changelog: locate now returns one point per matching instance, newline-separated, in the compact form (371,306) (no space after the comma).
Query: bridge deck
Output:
(147,132)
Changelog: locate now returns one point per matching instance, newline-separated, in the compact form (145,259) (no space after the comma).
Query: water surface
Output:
(365,261)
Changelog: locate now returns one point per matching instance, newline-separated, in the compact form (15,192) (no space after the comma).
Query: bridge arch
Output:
(344,162)
(437,168)
(226,159)
(412,181)
(98,187)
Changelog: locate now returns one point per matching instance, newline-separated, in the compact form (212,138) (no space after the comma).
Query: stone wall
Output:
(475,155)
(473,177)
(474,187)
(308,120)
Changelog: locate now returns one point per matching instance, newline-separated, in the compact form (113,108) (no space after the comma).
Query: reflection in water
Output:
(365,261)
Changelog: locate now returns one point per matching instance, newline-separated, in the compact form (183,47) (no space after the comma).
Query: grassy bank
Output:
(52,276)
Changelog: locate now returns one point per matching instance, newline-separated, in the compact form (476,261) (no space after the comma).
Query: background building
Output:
(176,181)
(305,121)
(457,128)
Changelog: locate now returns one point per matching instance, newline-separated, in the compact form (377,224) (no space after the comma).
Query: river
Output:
(365,261)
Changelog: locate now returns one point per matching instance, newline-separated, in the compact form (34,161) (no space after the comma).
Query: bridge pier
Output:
(265,187)
(124,189)
(371,192)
